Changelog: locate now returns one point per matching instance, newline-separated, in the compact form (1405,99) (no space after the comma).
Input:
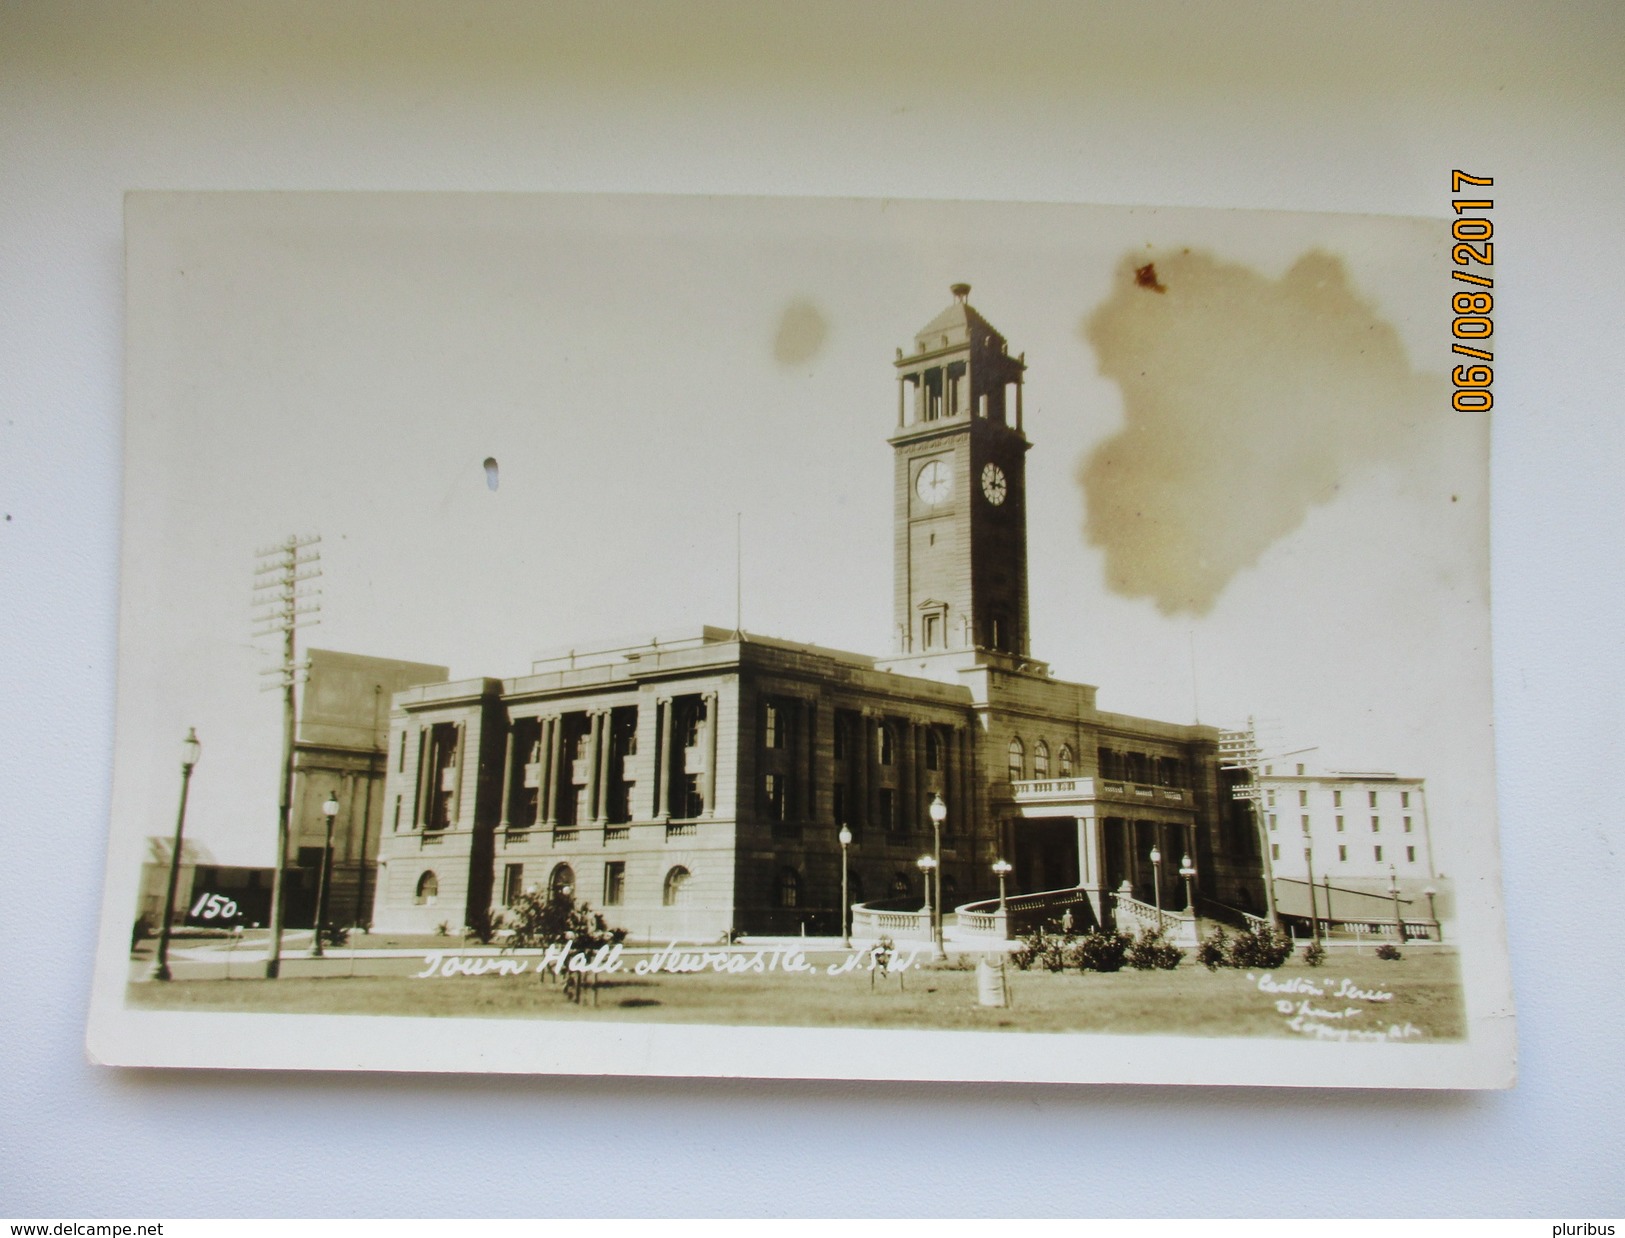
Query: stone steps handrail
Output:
(872,923)
(1169,923)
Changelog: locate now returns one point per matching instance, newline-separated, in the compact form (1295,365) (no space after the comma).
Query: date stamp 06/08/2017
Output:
(1471,325)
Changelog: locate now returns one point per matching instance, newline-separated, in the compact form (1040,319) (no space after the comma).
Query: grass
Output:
(1425,988)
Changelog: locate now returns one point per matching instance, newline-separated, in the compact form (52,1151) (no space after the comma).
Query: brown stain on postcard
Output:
(801,335)
(1247,401)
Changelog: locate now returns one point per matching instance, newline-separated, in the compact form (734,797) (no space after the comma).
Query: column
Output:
(459,762)
(902,383)
(507,777)
(555,744)
(663,761)
(420,810)
(809,770)
(713,721)
(598,792)
(866,770)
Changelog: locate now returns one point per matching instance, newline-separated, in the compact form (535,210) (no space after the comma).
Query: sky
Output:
(1247,493)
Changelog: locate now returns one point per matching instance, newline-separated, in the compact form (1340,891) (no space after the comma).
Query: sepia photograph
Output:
(802,638)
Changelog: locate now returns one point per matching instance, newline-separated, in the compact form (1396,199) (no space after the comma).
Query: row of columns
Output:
(428,763)
(666,755)
(909,778)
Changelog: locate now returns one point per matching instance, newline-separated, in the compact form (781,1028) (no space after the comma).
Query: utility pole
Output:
(283,608)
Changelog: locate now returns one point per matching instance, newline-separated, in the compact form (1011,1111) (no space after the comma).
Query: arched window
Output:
(428,889)
(789,887)
(1018,760)
(933,749)
(1066,761)
(675,893)
(1041,760)
(562,884)
(883,744)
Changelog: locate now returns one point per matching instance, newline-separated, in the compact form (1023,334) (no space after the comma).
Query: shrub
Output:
(1214,950)
(484,926)
(1102,952)
(1151,951)
(443,929)
(1389,951)
(1265,947)
(335,934)
(1314,954)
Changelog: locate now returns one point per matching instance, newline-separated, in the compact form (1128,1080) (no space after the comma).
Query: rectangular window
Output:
(933,631)
(1378,852)
(1343,854)
(1272,820)
(1303,799)
(1339,823)
(1376,825)
(773,790)
(513,883)
(1404,799)
(1304,823)
(1371,798)
(1337,799)
(1275,851)
(773,727)
(1271,795)
(1410,855)
(1407,825)
(614,883)
(400,763)
(397,815)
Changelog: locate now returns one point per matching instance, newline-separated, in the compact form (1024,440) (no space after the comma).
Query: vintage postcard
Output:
(803,638)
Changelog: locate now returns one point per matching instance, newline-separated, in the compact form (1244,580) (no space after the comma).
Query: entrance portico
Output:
(1096,834)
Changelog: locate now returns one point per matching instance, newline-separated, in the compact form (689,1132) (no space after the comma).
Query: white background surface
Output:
(1365,108)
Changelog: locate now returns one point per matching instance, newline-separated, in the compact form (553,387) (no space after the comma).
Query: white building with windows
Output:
(1356,836)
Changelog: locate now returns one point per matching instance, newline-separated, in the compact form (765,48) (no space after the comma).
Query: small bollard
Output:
(991,989)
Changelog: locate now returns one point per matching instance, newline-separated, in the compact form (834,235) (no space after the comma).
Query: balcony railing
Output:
(1029,790)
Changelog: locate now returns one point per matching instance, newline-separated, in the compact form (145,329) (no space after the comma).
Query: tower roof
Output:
(957,325)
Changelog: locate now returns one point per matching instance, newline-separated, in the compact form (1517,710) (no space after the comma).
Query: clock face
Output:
(994,487)
(934,483)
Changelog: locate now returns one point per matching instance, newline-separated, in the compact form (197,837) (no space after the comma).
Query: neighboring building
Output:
(1356,836)
(149,899)
(343,725)
(695,785)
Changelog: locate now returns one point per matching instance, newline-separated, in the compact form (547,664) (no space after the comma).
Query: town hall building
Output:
(696,785)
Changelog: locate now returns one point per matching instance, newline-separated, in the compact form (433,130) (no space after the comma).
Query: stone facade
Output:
(695,785)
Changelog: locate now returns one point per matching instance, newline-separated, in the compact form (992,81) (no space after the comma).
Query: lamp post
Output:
(938,812)
(1001,870)
(1314,912)
(330,809)
(1187,870)
(191,750)
(1156,879)
(928,865)
(1393,893)
(1433,914)
(846,902)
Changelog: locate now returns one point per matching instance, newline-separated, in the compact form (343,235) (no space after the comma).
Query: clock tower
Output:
(960,511)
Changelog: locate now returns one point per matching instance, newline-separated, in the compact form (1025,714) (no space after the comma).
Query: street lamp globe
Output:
(191,749)
(845,836)
(938,810)
(330,808)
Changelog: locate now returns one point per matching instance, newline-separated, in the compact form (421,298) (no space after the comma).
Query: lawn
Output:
(1424,999)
